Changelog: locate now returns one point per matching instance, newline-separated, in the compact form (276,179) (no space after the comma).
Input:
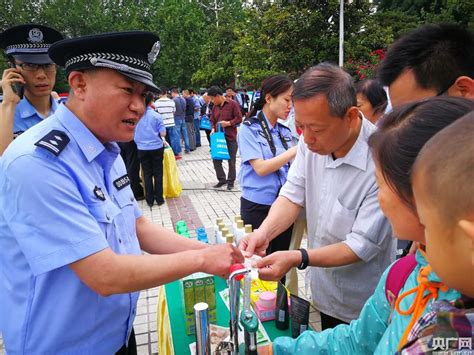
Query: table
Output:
(172,338)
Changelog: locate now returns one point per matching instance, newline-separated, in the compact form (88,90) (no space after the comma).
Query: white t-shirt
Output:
(166,108)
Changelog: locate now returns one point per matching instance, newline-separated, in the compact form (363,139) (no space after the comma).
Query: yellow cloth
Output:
(163,326)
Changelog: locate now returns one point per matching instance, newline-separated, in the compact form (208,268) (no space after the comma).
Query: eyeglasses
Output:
(50,67)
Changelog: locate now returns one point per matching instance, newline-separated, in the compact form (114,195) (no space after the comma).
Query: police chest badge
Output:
(153,54)
(99,193)
(122,182)
(35,35)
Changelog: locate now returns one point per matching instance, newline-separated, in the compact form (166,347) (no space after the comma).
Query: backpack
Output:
(397,276)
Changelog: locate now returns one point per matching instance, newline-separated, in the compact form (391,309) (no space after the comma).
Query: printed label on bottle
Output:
(281,315)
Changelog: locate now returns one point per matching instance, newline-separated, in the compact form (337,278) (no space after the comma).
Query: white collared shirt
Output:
(340,197)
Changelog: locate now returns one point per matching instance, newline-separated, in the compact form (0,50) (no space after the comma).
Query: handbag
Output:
(171,185)
(205,123)
(219,150)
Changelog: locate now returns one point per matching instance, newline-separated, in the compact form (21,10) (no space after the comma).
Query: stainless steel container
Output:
(203,338)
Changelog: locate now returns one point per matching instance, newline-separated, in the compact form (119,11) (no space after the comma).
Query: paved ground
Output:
(198,205)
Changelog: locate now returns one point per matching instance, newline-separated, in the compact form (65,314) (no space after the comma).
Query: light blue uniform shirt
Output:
(340,197)
(147,132)
(26,115)
(253,145)
(55,209)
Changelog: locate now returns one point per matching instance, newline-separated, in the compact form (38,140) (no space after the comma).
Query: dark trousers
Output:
(232,146)
(254,214)
(129,153)
(131,349)
(328,322)
(208,136)
(152,163)
(197,131)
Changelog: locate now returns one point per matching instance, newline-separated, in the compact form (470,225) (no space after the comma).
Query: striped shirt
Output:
(166,108)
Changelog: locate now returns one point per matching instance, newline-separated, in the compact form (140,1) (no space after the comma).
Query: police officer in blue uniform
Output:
(71,232)
(266,151)
(29,80)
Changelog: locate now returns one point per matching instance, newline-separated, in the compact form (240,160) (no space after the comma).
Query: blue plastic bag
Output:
(205,123)
(219,150)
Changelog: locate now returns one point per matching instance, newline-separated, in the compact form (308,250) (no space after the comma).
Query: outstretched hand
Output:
(274,266)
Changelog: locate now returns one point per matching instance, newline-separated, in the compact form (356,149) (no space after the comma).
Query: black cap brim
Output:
(148,83)
(33,58)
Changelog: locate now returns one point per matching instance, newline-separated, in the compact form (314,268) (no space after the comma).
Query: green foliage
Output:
(251,42)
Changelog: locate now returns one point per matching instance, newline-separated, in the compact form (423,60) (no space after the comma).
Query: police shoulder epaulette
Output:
(281,125)
(250,121)
(55,142)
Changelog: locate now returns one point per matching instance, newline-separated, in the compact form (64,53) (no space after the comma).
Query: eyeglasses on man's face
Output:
(49,67)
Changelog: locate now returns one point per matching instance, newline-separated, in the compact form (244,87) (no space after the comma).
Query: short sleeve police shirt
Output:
(63,196)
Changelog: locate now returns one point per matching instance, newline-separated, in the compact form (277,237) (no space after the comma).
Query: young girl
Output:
(383,328)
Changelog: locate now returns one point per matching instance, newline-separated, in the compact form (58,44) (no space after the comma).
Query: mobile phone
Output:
(17,88)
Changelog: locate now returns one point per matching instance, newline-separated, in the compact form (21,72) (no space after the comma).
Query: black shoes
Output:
(219,184)
(230,187)
(160,202)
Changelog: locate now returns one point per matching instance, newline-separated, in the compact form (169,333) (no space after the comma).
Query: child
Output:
(382,328)
(443,178)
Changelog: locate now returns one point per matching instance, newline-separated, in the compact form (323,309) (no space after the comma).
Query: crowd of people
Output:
(376,161)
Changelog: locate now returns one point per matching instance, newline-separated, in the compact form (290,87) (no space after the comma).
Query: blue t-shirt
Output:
(63,196)
(253,145)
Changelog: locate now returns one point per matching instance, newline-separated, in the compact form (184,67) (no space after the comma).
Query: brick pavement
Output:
(199,205)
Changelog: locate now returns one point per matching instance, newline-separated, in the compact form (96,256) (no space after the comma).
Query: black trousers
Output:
(129,153)
(152,163)
(254,214)
(328,322)
(132,346)
(220,174)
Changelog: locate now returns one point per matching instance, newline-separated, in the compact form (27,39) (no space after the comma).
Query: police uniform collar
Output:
(358,155)
(26,109)
(29,43)
(90,146)
(130,53)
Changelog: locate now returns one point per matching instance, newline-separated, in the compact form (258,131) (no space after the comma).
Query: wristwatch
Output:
(304,259)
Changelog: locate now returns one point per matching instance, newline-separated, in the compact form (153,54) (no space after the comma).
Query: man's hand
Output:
(10,77)
(254,243)
(219,258)
(224,124)
(274,266)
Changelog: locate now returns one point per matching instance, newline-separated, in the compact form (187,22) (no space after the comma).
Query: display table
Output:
(172,337)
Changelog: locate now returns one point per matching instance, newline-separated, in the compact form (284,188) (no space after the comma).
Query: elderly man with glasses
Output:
(28,82)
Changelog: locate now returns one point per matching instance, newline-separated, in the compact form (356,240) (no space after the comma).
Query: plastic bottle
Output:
(282,318)
(216,229)
(234,223)
(239,232)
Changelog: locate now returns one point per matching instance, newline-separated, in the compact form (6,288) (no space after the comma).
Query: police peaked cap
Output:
(29,43)
(130,53)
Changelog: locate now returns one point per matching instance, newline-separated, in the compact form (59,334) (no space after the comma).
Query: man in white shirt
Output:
(166,108)
(333,177)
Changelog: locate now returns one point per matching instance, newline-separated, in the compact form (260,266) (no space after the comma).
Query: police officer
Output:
(28,83)
(71,232)
(266,150)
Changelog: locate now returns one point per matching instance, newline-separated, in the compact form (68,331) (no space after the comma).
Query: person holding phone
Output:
(28,82)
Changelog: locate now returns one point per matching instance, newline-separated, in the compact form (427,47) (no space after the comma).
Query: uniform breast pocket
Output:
(126,221)
(341,220)
(104,213)
(266,151)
